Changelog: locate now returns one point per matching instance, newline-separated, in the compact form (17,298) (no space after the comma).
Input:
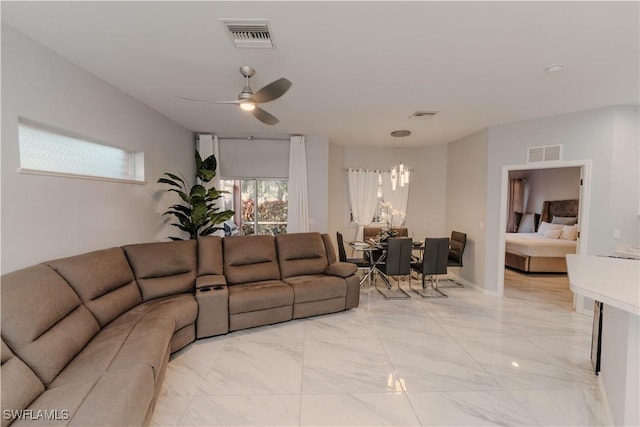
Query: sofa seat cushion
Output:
(19,385)
(67,398)
(259,296)
(120,397)
(94,360)
(113,341)
(181,308)
(316,287)
(147,343)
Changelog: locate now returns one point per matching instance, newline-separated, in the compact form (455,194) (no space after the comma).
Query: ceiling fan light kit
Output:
(247,99)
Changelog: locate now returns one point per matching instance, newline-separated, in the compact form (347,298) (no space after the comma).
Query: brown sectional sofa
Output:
(86,339)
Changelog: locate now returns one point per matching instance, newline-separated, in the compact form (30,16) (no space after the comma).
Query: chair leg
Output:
(433,291)
(454,283)
(366,276)
(390,292)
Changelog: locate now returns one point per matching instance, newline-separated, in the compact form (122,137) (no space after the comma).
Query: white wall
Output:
(466,200)
(338,200)
(425,206)
(624,210)
(317,150)
(549,184)
(606,136)
(241,158)
(427,198)
(47,217)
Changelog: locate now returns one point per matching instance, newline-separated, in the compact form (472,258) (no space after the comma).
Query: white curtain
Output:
(208,145)
(398,198)
(363,196)
(298,211)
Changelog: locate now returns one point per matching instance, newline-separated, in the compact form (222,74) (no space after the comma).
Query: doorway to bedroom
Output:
(544,210)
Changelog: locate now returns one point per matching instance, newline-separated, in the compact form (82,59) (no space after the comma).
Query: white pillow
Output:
(553,234)
(564,220)
(569,232)
(545,226)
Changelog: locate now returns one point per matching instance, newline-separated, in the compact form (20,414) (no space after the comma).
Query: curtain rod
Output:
(254,138)
(372,170)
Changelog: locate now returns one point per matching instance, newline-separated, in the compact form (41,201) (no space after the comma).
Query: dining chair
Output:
(396,262)
(433,263)
(457,245)
(361,263)
(373,233)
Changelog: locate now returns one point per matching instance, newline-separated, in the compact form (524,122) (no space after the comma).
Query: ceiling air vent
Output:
(423,114)
(544,153)
(249,33)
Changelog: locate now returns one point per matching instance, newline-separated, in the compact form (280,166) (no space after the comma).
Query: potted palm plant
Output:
(198,215)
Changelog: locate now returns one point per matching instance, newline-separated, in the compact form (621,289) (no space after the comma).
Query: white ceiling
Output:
(359,69)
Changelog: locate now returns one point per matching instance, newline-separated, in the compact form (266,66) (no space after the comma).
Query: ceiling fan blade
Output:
(273,90)
(209,101)
(264,117)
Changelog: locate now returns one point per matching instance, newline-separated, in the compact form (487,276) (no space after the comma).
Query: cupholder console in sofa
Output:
(86,339)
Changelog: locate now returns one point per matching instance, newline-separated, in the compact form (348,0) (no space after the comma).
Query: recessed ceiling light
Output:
(553,68)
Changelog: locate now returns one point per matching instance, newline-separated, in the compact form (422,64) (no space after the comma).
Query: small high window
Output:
(50,151)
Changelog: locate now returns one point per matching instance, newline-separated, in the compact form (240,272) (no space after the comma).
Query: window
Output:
(377,216)
(50,151)
(269,215)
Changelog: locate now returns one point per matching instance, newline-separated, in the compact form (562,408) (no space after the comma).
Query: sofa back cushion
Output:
(250,259)
(210,255)
(43,321)
(20,385)
(300,254)
(328,246)
(163,268)
(103,280)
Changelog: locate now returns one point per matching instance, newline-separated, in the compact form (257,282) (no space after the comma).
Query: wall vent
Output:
(423,114)
(249,33)
(544,153)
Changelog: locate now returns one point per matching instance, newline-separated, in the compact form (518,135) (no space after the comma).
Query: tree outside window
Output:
(270,214)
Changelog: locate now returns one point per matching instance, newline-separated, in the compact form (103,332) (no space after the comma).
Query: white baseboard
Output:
(470,284)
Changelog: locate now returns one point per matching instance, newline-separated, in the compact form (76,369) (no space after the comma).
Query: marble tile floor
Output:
(469,360)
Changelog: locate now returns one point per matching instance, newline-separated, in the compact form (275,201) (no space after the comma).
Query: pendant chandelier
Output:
(399,172)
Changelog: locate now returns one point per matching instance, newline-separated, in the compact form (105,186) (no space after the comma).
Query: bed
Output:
(535,253)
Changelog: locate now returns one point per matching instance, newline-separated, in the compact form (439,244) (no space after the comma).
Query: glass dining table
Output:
(376,252)
(369,248)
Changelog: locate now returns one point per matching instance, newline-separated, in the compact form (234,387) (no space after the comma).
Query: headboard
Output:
(559,208)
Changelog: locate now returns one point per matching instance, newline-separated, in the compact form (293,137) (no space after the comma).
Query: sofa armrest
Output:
(341,269)
(210,280)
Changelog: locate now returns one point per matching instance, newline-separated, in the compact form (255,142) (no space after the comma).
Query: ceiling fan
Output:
(248,100)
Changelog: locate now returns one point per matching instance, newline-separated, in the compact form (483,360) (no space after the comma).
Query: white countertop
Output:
(613,281)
